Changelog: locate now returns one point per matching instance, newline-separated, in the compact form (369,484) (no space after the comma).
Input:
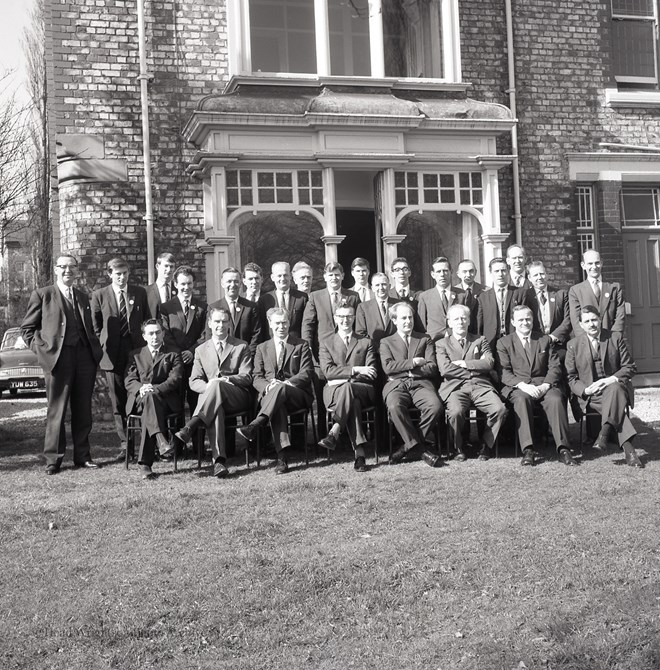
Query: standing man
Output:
(184,321)
(516,258)
(222,376)
(606,297)
(253,278)
(531,374)
(401,290)
(153,384)
(348,362)
(163,289)
(284,296)
(465,363)
(373,317)
(494,307)
(600,369)
(283,371)
(303,274)
(360,270)
(118,312)
(244,321)
(58,328)
(472,289)
(434,304)
(408,361)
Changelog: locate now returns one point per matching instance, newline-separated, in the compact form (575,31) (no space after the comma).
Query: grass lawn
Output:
(470,566)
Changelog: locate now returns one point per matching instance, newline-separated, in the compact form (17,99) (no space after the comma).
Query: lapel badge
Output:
(131,301)
(192,306)
(452,296)
(552,299)
(607,295)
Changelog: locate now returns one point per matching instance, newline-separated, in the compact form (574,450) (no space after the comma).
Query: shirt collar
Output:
(64,289)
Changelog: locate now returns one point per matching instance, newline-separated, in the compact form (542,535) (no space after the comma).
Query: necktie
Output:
(280,299)
(335,301)
(502,310)
(594,344)
(443,297)
(596,287)
(383,312)
(123,315)
(468,297)
(347,340)
(280,356)
(462,342)
(404,294)
(168,292)
(232,310)
(186,309)
(542,298)
(525,343)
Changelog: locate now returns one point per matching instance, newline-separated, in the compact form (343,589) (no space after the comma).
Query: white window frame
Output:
(651,191)
(647,18)
(240,59)
(586,219)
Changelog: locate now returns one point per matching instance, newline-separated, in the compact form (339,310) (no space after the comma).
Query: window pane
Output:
(633,49)
(349,37)
(412,38)
(632,8)
(282,36)
(232,178)
(640,207)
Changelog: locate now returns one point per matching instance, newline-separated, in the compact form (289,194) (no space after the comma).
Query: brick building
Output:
(323,129)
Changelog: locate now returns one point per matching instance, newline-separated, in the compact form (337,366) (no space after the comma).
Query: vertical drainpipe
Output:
(517,219)
(144,78)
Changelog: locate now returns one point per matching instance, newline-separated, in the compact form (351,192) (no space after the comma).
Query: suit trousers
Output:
(555,410)
(154,413)
(70,383)
(484,399)
(276,404)
(220,398)
(189,395)
(418,393)
(117,389)
(611,404)
(346,401)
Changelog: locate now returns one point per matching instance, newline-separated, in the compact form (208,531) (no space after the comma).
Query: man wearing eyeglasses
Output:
(58,328)
(401,290)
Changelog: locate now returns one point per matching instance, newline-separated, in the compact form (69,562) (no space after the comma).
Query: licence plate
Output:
(27,384)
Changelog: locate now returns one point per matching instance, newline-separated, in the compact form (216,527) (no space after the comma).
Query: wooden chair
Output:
(134,429)
(370,418)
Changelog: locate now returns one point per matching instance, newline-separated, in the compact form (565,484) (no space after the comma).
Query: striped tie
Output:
(123,315)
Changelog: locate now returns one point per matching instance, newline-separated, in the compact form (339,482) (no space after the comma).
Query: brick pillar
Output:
(610,242)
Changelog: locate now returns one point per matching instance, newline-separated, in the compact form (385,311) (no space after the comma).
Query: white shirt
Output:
(544,309)
(117,292)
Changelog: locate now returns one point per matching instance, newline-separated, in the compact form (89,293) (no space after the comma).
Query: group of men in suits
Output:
(447,349)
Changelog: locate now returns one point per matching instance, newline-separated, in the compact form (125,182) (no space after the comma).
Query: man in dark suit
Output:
(222,376)
(163,289)
(283,371)
(516,259)
(283,295)
(153,387)
(401,291)
(318,320)
(303,275)
(184,320)
(600,369)
(253,278)
(118,312)
(494,306)
(466,273)
(360,270)
(606,297)
(549,308)
(58,328)
(531,374)
(408,360)
(244,323)
(434,303)
(372,318)
(465,363)
(348,363)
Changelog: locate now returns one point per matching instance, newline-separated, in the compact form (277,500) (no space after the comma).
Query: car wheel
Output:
(13,392)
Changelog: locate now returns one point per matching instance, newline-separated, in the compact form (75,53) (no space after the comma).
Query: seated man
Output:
(465,363)
(408,361)
(531,375)
(600,370)
(222,375)
(348,362)
(283,371)
(153,384)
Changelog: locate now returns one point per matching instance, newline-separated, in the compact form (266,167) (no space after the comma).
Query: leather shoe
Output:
(282,466)
(528,457)
(146,471)
(601,443)
(632,459)
(484,454)
(168,452)
(360,464)
(220,470)
(398,456)
(183,435)
(248,433)
(460,456)
(566,457)
(52,469)
(431,459)
(86,464)
(328,442)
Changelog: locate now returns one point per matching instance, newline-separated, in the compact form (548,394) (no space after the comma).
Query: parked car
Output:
(19,368)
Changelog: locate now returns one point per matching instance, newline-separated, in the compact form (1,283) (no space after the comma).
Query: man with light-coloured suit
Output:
(466,361)
(222,376)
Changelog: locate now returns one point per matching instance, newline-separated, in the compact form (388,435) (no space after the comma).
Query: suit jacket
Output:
(472,301)
(560,318)
(297,369)
(369,322)
(153,298)
(337,360)
(478,359)
(179,333)
(397,361)
(235,364)
(105,317)
(614,355)
(542,367)
(318,320)
(524,286)
(488,313)
(165,372)
(610,307)
(247,326)
(432,312)
(44,325)
(412,300)
(297,302)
